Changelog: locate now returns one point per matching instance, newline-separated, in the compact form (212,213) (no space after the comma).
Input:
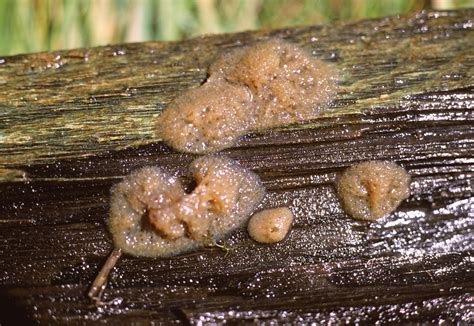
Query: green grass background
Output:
(44,25)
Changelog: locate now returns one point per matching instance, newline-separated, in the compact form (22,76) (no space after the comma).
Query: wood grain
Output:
(72,123)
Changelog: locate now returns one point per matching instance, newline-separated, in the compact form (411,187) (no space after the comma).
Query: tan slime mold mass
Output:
(152,216)
(266,85)
(208,118)
(225,196)
(270,225)
(288,84)
(373,189)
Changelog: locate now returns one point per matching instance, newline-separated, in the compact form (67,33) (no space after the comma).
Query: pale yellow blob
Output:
(152,216)
(269,84)
(270,225)
(373,189)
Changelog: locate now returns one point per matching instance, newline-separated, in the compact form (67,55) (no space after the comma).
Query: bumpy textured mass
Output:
(270,225)
(207,118)
(287,83)
(266,85)
(151,215)
(373,189)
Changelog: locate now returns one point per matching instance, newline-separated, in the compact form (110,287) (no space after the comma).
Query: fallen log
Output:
(72,123)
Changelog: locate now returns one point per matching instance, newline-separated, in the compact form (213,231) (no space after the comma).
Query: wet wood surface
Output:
(72,123)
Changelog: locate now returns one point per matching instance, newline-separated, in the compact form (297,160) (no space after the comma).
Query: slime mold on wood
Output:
(266,85)
(373,189)
(270,225)
(152,216)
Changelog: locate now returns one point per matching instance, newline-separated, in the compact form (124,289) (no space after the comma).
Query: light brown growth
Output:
(288,84)
(373,189)
(207,118)
(266,85)
(270,225)
(152,216)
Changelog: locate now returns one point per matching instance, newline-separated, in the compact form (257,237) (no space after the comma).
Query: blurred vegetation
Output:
(43,25)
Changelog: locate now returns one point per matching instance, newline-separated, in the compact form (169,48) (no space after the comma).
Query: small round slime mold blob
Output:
(151,215)
(373,189)
(270,225)
(261,86)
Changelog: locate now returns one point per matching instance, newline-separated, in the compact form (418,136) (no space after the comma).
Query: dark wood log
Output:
(72,123)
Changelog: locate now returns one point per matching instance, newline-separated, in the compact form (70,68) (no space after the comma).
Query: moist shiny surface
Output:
(151,215)
(404,99)
(270,225)
(373,189)
(269,84)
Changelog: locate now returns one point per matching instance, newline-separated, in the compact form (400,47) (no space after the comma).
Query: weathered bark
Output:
(74,122)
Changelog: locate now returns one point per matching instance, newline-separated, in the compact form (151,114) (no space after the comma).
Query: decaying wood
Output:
(72,123)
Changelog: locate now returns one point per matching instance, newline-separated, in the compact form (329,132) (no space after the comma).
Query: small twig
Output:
(98,286)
